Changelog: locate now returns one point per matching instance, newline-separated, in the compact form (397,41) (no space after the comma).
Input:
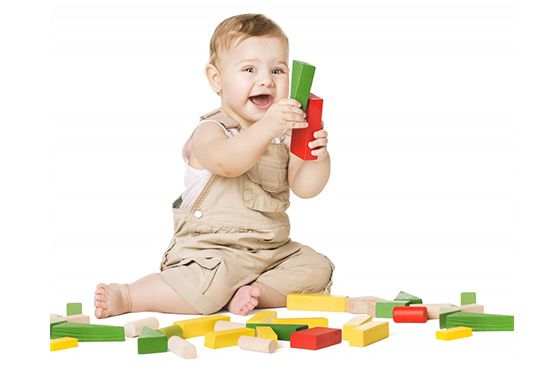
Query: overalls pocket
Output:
(205,269)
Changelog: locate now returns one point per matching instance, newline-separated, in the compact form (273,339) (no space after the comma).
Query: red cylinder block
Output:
(410,314)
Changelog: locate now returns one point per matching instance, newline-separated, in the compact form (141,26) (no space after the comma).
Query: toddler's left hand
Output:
(320,142)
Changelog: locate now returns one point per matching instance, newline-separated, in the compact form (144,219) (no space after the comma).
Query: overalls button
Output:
(198,214)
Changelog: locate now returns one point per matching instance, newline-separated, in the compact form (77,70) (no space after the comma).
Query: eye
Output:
(249,69)
(277,71)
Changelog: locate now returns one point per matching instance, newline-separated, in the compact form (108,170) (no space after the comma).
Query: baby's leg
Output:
(269,298)
(149,293)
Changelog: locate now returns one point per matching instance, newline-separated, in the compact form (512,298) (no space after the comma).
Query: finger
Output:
(318,143)
(296,110)
(299,125)
(291,102)
(320,134)
(293,117)
(319,152)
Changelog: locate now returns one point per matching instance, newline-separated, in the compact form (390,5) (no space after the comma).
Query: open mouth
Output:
(261,100)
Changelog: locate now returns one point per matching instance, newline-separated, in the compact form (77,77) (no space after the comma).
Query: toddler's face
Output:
(253,76)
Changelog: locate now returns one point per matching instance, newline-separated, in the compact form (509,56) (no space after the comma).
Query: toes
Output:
(253,302)
(101,298)
(255,292)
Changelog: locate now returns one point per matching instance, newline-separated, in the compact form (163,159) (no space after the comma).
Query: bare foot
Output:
(244,300)
(111,300)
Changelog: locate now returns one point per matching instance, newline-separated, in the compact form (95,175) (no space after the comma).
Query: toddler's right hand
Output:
(282,116)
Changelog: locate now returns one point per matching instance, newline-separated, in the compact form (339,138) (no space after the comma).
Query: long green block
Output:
(283,331)
(74,309)
(404,296)
(152,341)
(384,309)
(481,321)
(56,320)
(444,314)
(171,331)
(468,298)
(88,332)
(302,79)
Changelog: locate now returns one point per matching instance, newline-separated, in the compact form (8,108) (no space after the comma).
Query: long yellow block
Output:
(267,333)
(316,302)
(311,322)
(226,338)
(453,333)
(263,317)
(368,333)
(199,326)
(63,343)
(353,323)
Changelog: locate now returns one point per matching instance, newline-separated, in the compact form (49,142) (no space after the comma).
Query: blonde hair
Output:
(240,27)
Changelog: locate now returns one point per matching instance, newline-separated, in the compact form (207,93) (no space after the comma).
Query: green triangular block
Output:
(404,296)
(152,341)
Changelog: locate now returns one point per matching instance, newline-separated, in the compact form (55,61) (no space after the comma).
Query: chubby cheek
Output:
(283,89)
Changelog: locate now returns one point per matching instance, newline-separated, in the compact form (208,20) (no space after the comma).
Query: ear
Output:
(213,75)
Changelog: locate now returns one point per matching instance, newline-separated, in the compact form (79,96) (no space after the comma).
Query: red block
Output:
(410,314)
(301,137)
(315,338)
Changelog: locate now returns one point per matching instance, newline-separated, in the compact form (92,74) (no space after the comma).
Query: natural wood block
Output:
(78,319)
(433,309)
(227,325)
(182,347)
(134,328)
(316,302)
(453,333)
(472,308)
(63,343)
(356,321)
(369,333)
(199,326)
(267,333)
(226,338)
(257,344)
(362,305)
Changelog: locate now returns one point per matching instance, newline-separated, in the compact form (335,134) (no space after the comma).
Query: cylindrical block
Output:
(182,347)
(134,328)
(257,344)
(410,314)
(227,325)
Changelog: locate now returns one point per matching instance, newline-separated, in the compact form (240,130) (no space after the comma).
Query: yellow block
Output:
(368,333)
(311,322)
(262,317)
(267,333)
(316,302)
(63,343)
(199,326)
(226,338)
(356,321)
(453,333)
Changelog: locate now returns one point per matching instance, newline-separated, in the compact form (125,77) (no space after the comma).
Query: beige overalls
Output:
(237,232)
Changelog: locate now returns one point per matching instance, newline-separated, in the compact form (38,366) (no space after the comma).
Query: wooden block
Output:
(315,338)
(226,338)
(300,139)
(134,328)
(410,314)
(363,305)
(263,317)
(404,296)
(311,322)
(472,308)
(453,333)
(74,309)
(369,333)
(444,313)
(316,302)
(433,309)
(467,298)
(63,343)
(257,344)
(227,325)
(481,321)
(199,326)
(356,321)
(283,331)
(152,341)
(78,319)
(56,320)
(172,330)
(267,333)
(301,81)
(88,332)
(182,347)
(384,309)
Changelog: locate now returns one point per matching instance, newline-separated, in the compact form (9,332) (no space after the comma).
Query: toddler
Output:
(231,248)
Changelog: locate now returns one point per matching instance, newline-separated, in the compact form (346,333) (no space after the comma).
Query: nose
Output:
(265,80)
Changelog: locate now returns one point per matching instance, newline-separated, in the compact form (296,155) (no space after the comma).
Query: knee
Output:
(320,277)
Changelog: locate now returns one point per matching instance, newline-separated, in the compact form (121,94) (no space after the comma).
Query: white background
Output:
(435,111)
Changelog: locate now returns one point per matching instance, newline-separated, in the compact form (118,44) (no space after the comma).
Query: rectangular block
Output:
(444,313)
(453,333)
(472,308)
(384,309)
(283,331)
(363,305)
(302,79)
(88,332)
(152,341)
(267,333)
(226,338)
(78,319)
(300,139)
(315,338)
(63,343)
(481,321)
(356,321)
(74,309)
(227,325)
(369,333)
(467,298)
(199,326)
(433,309)
(311,322)
(56,320)
(263,317)
(404,296)
(316,302)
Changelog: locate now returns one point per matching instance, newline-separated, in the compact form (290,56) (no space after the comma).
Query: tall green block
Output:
(74,309)
(404,296)
(283,331)
(468,298)
(302,79)
(152,341)
(384,309)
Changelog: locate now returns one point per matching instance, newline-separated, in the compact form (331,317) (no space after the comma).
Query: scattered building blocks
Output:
(78,319)
(226,338)
(227,325)
(172,330)
(433,309)
(453,333)
(263,317)
(481,321)
(384,309)
(363,305)
(134,328)
(199,326)
(301,81)
(316,302)
(74,309)
(267,333)
(182,347)
(152,341)
(369,333)
(404,296)
(257,344)
(283,331)
(315,338)
(444,313)
(88,332)
(311,322)
(356,321)
(63,343)
(472,308)
(467,298)
(417,314)
(299,143)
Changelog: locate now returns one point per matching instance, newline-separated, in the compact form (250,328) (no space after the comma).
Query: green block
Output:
(444,313)
(302,79)
(481,321)
(88,332)
(404,296)
(384,309)
(152,341)
(171,331)
(56,320)
(283,331)
(74,309)
(467,298)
